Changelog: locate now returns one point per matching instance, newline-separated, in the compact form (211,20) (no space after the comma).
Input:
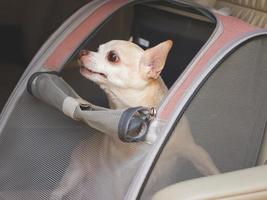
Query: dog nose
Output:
(83,53)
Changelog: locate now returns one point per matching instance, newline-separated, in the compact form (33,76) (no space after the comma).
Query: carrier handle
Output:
(134,124)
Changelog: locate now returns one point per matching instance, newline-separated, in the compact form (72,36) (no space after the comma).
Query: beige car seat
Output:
(251,11)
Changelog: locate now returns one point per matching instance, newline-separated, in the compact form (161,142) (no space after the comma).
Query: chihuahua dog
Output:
(130,76)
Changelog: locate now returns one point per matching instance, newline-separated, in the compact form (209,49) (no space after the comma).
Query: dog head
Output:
(123,64)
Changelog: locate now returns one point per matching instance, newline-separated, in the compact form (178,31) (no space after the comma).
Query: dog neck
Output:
(150,96)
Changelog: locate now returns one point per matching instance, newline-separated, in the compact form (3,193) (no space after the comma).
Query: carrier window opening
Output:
(148,24)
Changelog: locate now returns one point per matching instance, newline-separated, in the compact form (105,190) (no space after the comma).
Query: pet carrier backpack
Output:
(216,74)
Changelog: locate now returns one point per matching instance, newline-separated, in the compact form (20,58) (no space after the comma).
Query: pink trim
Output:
(64,50)
(233,28)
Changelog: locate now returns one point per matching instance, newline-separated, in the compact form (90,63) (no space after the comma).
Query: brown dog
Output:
(130,77)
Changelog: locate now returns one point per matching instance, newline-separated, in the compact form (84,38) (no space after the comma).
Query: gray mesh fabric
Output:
(227,117)
(95,161)
(39,143)
(54,91)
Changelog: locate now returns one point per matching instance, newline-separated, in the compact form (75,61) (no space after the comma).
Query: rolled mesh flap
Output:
(130,125)
(50,88)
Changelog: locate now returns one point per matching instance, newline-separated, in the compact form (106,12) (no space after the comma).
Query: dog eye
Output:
(113,57)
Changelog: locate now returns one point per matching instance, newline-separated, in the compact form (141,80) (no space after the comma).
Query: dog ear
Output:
(153,59)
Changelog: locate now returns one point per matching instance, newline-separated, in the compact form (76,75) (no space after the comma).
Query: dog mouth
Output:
(86,71)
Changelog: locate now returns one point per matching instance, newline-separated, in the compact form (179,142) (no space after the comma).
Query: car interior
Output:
(26,25)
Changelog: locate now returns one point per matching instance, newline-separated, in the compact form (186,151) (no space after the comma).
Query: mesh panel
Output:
(36,146)
(38,143)
(227,117)
(41,149)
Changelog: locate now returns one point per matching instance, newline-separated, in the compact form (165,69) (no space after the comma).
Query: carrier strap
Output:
(129,125)
(132,121)
(33,76)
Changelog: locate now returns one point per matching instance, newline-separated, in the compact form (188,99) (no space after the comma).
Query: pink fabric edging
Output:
(64,50)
